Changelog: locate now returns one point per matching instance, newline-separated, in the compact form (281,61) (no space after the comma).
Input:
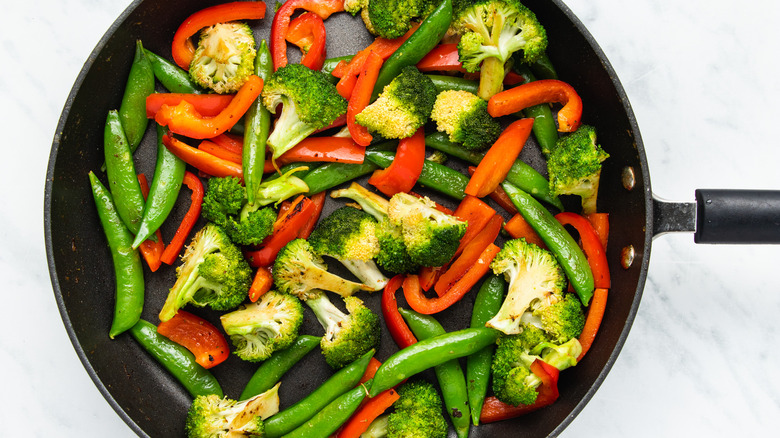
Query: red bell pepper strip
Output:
(203,161)
(373,366)
(494,167)
(591,246)
(318,200)
(428,306)
(470,255)
(285,230)
(214,149)
(494,410)
(183,49)
(282,18)
(596,309)
(173,249)
(498,196)
(477,214)
(374,407)
(600,222)
(428,276)
(261,284)
(307,31)
(198,336)
(231,142)
(207,105)
(150,250)
(331,149)
(399,330)
(406,167)
(185,120)
(536,93)
(443,57)
(360,96)
(519,228)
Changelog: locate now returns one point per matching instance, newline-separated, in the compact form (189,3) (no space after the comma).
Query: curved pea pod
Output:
(331,417)
(140,84)
(120,169)
(273,368)
(171,76)
(257,125)
(128,270)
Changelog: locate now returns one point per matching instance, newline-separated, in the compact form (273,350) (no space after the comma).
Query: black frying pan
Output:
(152,402)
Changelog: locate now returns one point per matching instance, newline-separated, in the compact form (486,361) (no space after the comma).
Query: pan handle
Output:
(722,216)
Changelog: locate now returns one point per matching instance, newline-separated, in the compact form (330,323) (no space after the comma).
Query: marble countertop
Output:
(701,358)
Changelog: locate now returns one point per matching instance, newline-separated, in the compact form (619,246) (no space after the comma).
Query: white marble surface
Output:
(702,357)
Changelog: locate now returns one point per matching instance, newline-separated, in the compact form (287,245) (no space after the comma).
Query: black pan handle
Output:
(723,216)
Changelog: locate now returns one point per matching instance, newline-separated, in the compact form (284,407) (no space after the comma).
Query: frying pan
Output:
(153,404)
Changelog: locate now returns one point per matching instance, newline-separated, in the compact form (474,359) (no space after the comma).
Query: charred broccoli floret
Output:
(224,58)
(211,416)
(214,273)
(259,329)
(418,412)
(464,117)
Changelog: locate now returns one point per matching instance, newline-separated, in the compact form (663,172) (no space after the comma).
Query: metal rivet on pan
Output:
(627,256)
(629,178)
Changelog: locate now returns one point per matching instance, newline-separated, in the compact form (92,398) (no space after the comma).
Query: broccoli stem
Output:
(367,272)
(491,77)
(327,314)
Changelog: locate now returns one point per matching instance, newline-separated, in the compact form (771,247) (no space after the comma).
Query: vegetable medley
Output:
(260,142)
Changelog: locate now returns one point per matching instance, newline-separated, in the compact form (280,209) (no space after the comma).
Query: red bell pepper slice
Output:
(185,120)
(285,230)
(373,408)
(150,250)
(371,369)
(493,168)
(207,105)
(600,222)
(233,143)
(443,57)
(307,31)
(198,336)
(519,228)
(399,330)
(360,96)
(591,246)
(218,151)
(173,249)
(428,276)
(283,16)
(596,309)
(498,196)
(182,47)
(477,214)
(318,200)
(406,167)
(536,93)
(495,410)
(203,161)
(260,284)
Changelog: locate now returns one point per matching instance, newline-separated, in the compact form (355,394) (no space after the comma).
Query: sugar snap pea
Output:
(327,421)
(120,169)
(171,76)
(436,176)
(545,130)
(140,84)
(444,82)
(330,175)
(273,368)
(257,124)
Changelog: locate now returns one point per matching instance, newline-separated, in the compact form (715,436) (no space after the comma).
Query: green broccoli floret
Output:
(464,117)
(349,235)
(224,58)
(561,320)
(491,31)
(418,412)
(574,167)
(259,329)
(431,236)
(299,271)
(535,280)
(214,273)
(348,336)
(226,204)
(309,102)
(354,6)
(513,381)
(404,105)
(392,19)
(211,416)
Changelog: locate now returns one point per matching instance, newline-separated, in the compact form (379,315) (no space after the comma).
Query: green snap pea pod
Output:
(330,65)
(257,124)
(425,38)
(544,68)
(429,353)
(163,192)
(434,175)
(342,381)
(327,421)
(449,374)
(444,82)
(129,273)
(486,304)
(330,175)
(171,76)
(545,130)
(176,359)
(140,84)
(272,369)
(520,174)
(120,169)
(558,240)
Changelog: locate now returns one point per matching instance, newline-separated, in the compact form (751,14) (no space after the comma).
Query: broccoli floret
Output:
(418,412)
(354,6)
(513,381)
(535,280)
(309,102)
(574,167)
(348,336)
(349,235)
(259,329)
(491,31)
(299,271)
(226,204)
(392,19)
(214,273)
(561,320)
(211,416)
(372,203)
(431,236)
(377,428)
(464,117)
(225,57)
(404,105)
